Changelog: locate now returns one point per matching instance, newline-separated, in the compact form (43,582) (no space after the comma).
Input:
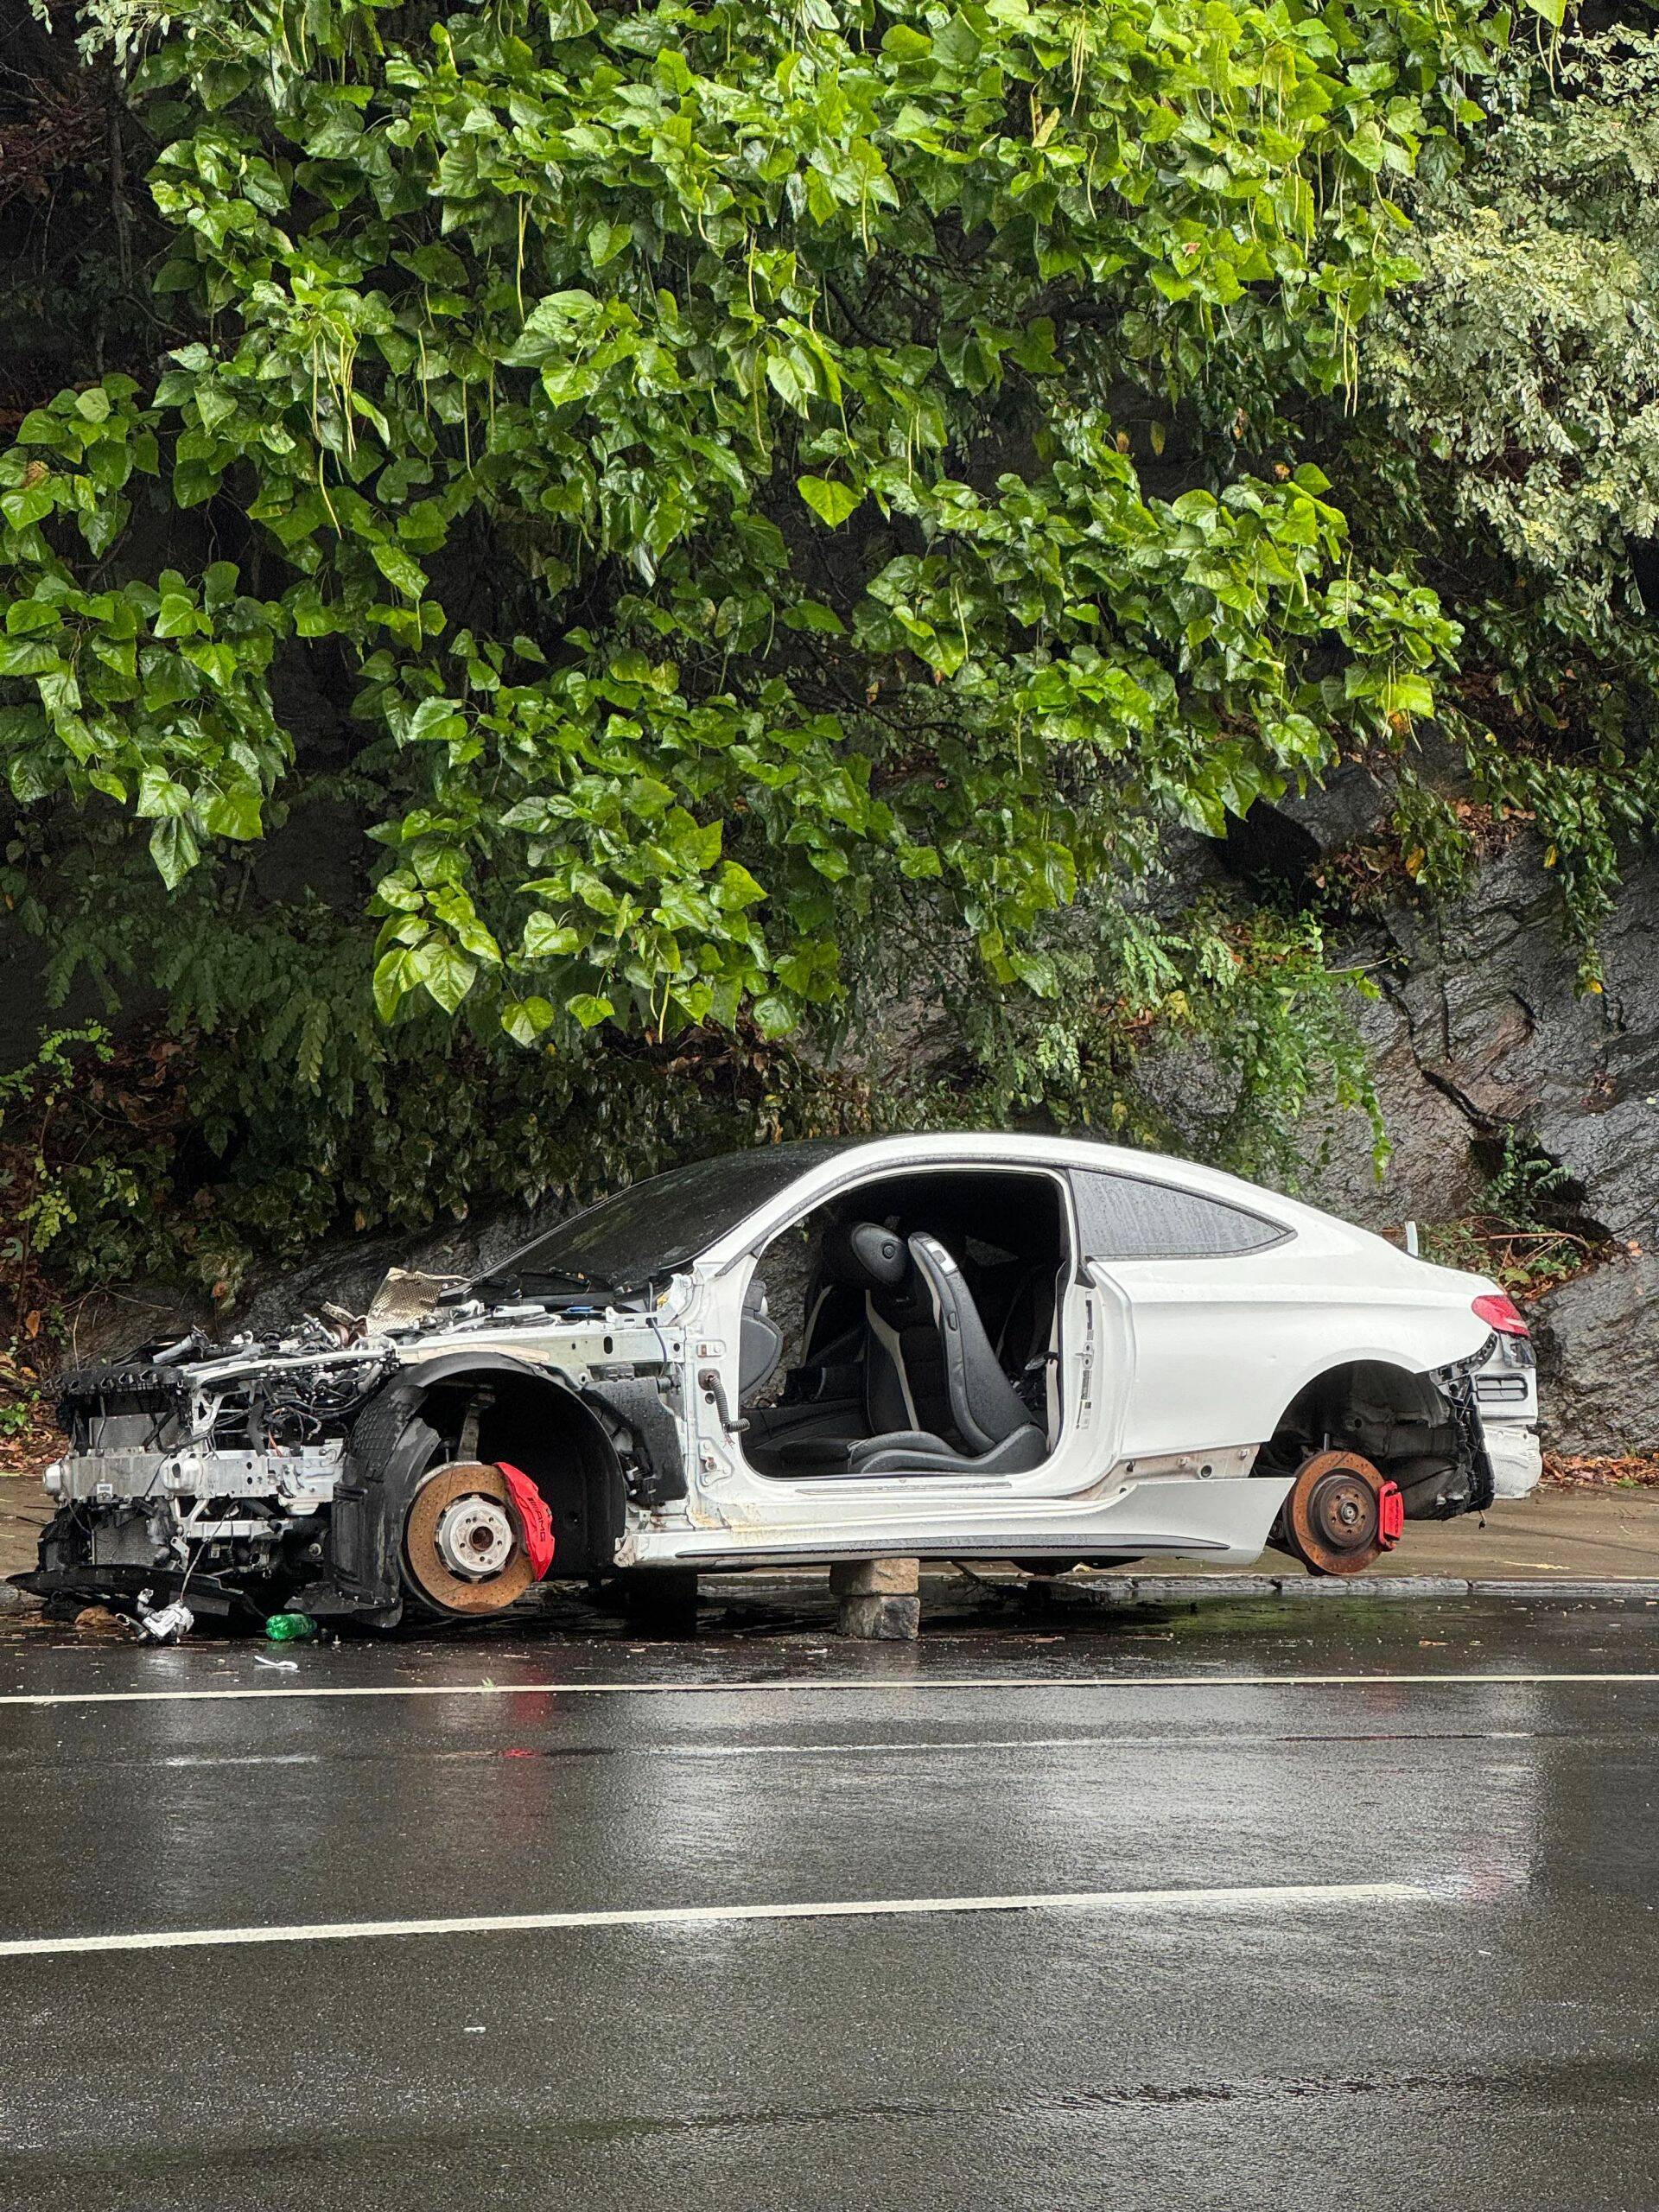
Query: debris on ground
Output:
(1638,1471)
(290,1628)
(165,1623)
(98,1621)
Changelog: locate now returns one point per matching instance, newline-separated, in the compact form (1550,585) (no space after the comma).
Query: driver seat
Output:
(935,1397)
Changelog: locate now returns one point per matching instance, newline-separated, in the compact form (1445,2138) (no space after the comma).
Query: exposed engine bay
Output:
(268,1473)
(217,1458)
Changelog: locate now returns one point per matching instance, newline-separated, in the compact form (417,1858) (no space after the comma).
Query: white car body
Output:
(1175,1393)
(1174,1374)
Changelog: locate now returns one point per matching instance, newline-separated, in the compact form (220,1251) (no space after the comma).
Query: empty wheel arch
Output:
(544,1429)
(455,1414)
(1409,1427)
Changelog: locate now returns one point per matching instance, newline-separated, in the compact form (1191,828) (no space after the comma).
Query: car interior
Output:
(909,1327)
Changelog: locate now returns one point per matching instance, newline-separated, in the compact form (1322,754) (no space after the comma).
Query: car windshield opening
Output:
(653,1227)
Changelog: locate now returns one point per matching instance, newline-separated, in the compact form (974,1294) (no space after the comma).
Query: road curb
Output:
(1165,1588)
(1191,1589)
(1155,1589)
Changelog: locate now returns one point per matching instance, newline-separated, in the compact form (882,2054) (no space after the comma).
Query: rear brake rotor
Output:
(460,1542)
(1332,1521)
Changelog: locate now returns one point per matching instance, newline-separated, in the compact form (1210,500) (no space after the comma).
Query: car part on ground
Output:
(168,1624)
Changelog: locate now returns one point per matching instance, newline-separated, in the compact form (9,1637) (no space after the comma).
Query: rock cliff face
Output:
(1486,1007)
(1598,1339)
(1481,1029)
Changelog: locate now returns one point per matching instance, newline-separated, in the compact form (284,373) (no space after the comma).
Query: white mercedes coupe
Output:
(956,1346)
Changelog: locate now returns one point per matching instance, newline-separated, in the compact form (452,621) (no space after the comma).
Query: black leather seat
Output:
(935,1399)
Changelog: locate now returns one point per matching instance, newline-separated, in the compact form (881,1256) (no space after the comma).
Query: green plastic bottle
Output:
(290,1628)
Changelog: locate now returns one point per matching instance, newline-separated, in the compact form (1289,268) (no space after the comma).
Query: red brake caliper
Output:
(535,1522)
(1391,1515)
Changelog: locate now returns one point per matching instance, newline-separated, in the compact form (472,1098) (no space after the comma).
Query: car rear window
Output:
(1122,1217)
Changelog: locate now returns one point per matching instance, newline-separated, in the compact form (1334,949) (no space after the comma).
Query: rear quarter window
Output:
(1122,1217)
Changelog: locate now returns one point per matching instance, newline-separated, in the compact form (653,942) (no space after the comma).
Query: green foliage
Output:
(1526,1181)
(47,1190)
(1520,381)
(182,1158)
(1528,353)
(694,431)
(710,524)
(1525,1232)
(154,694)
(1214,1038)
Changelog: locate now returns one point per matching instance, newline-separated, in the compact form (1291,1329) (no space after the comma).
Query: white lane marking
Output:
(215,1759)
(335,1931)
(1234,1740)
(799,1688)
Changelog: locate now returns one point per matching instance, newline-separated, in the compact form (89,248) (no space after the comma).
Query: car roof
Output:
(1018,1150)
(826,1165)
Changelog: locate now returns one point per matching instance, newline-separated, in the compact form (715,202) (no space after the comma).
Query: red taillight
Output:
(1502,1314)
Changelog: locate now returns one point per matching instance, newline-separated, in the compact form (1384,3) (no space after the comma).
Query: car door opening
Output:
(927,1340)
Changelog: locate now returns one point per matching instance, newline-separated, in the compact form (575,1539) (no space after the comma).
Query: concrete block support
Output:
(877,1600)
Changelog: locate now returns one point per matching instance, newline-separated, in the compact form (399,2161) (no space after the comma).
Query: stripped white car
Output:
(957,1347)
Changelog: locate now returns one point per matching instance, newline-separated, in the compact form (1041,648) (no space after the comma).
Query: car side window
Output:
(1121,1218)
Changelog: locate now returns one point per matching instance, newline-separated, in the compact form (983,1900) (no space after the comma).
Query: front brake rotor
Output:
(462,1543)
(1338,1517)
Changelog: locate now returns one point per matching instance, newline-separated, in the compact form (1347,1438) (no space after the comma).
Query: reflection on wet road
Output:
(1410,1960)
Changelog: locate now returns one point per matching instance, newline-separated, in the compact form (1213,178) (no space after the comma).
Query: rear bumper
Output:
(1516,1456)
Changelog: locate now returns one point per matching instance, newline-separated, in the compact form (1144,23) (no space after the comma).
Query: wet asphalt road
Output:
(1483,2039)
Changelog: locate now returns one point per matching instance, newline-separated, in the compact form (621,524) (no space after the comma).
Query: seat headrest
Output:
(864,1255)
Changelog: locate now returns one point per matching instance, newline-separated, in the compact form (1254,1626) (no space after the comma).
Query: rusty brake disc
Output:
(461,1541)
(1332,1519)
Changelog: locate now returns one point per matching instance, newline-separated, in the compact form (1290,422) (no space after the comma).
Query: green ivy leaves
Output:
(151,694)
(695,428)
(831,502)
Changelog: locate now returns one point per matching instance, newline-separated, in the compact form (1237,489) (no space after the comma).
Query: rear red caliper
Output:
(1391,1515)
